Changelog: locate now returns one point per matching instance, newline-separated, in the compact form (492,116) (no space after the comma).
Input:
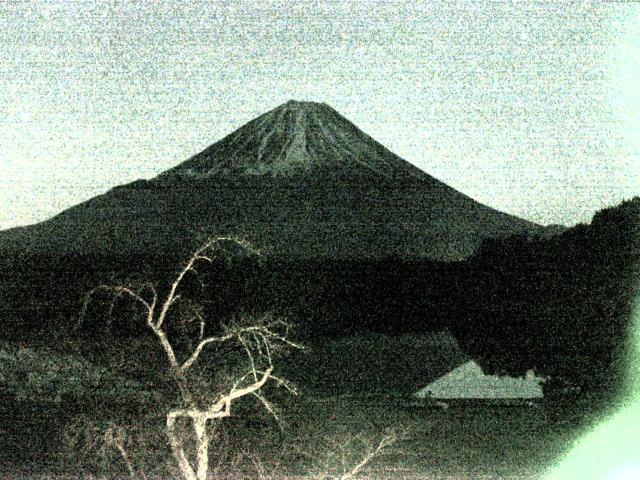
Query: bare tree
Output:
(345,458)
(259,339)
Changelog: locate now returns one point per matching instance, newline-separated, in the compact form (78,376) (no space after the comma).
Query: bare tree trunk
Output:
(178,450)
(199,419)
(180,378)
(202,446)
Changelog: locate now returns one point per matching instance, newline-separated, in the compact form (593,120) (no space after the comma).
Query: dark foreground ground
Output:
(64,411)
(467,440)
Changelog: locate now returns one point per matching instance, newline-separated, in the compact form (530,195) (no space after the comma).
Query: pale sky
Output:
(530,107)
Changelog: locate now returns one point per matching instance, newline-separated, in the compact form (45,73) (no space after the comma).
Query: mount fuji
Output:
(299,181)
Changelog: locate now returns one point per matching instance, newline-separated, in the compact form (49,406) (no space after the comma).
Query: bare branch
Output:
(198,256)
(269,406)
(201,330)
(238,383)
(385,442)
(336,463)
(154,302)
(117,292)
(166,345)
(238,332)
(172,297)
(291,388)
(250,356)
(121,290)
(268,331)
(203,343)
(118,442)
(257,340)
(225,401)
(253,387)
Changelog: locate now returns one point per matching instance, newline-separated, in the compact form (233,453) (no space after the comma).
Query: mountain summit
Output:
(299,181)
(296,138)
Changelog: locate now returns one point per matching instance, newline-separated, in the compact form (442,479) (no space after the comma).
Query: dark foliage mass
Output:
(561,306)
(326,297)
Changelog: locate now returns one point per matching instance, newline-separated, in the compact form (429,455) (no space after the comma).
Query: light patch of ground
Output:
(469,381)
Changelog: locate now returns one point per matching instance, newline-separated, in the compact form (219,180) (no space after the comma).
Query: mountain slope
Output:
(299,181)
(297,139)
